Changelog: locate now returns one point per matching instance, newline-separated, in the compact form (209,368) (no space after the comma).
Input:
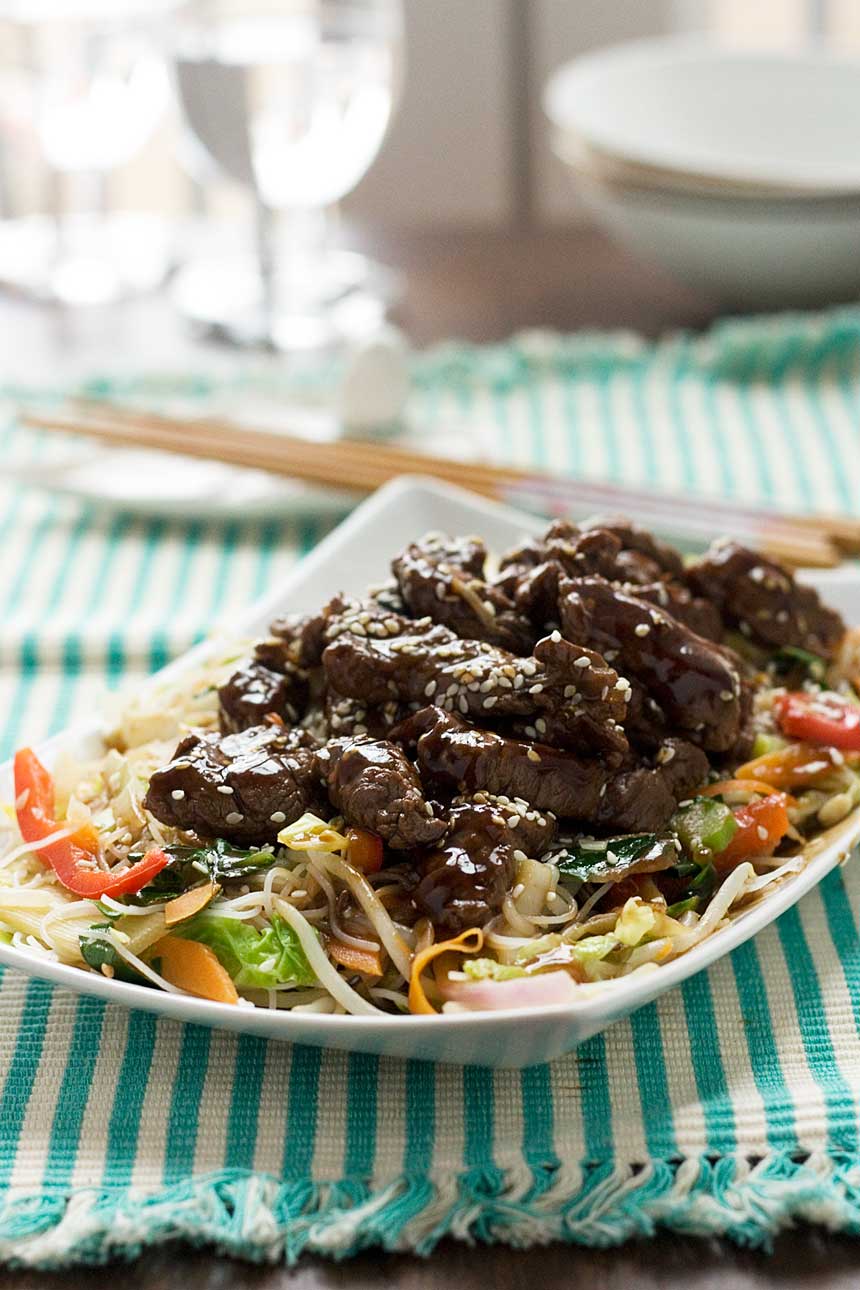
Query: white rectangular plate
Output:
(357,553)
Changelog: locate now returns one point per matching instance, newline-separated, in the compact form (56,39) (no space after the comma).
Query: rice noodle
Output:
(321,965)
(373,907)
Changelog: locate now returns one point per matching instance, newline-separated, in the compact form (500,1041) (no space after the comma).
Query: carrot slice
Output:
(742,786)
(189,903)
(365,850)
(794,766)
(195,968)
(355,960)
(418,1001)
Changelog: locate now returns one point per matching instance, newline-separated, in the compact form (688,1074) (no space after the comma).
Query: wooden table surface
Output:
(479,286)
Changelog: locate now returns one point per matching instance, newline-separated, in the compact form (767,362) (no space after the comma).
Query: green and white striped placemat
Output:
(731,1106)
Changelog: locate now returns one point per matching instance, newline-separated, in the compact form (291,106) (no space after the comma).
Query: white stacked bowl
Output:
(738,171)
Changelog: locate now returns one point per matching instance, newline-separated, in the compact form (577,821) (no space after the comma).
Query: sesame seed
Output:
(518,891)
(540,725)
(533,755)
(642,629)
(298,893)
(178,794)
(519,681)
(463,704)
(440,591)
(569,691)
(556,637)
(530,731)
(498,820)
(520,856)
(726,695)
(235,817)
(225,789)
(277,817)
(582,661)
(513,821)
(536,689)
(430,689)
(762,833)
(490,701)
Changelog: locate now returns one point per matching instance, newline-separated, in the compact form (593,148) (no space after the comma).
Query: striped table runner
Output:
(731,1106)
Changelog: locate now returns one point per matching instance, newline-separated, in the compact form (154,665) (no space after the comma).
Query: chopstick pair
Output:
(354,465)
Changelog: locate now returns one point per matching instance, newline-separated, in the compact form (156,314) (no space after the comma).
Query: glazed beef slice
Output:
(375,786)
(243,787)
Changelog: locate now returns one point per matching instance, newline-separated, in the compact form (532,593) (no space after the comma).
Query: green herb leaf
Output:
(791,659)
(683,906)
(612,859)
(190,866)
(98,952)
(255,960)
(705,827)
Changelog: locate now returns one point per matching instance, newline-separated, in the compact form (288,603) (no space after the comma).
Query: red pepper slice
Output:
(73,859)
(761,826)
(820,718)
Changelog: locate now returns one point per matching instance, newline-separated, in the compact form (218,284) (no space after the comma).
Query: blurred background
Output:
(144,144)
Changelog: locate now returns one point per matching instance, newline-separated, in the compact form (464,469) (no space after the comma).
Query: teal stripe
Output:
(131,1085)
(244,1112)
(186,1103)
(576,457)
(614,467)
(18,1086)
(74,1092)
(683,448)
(725,465)
(746,374)
(653,1083)
(25,561)
(269,534)
(28,667)
(223,565)
(361,1115)
(817,1041)
(115,655)
(302,1105)
(420,1128)
(647,446)
(596,1104)
(843,477)
(538,1140)
(160,650)
(763,1052)
(796,444)
(708,1066)
(478,1118)
(843,933)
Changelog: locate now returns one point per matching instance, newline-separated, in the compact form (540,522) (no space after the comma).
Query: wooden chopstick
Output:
(363,466)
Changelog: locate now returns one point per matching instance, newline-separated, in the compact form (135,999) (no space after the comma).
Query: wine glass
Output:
(84,87)
(292,100)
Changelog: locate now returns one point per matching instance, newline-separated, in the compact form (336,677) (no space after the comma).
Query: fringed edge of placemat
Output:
(259,1218)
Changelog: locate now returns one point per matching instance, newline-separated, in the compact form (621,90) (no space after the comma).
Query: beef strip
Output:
(348,716)
(642,799)
(638,541)
(255,691)
(699,614)
(375,786)
(243,787)
(762,599)
(300,637)
(453,754)
(696,683)
(444,578)
(585,698)
(463,882)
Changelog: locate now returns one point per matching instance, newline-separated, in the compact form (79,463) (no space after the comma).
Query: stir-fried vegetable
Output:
(468,942)
(761,826)
(102,954)
(354,959)
(792,661)
(364,850)
(255,960)
(819,718)
(74,859)
(795,766)
(610,859)
(193,967)
(188,867)
(704,827)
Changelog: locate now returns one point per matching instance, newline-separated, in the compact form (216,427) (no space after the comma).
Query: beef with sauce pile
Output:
(464,718)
